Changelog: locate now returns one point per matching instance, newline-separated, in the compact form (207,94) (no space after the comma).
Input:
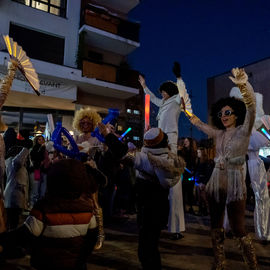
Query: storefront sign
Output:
(48,87)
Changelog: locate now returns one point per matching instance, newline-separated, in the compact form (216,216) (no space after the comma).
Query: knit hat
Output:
(153,137)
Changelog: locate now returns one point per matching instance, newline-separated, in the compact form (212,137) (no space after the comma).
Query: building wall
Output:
(259,76)
(32,18)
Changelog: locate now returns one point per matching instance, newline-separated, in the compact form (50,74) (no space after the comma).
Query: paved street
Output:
(193,252)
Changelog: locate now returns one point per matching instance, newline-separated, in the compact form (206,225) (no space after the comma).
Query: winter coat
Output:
(60,227)
(152,164)
(16,190)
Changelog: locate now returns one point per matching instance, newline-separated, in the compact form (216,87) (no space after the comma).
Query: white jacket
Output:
(170,109)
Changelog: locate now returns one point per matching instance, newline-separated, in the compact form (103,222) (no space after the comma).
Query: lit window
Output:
(56,7)
(129,111)
(136,112)
(136,138)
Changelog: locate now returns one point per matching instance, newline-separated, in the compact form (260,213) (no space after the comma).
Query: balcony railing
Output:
(110,73)
(94,17)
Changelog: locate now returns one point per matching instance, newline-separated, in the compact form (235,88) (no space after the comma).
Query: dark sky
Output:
(207,37)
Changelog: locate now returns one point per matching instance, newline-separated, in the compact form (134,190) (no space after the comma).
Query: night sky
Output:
(208,37)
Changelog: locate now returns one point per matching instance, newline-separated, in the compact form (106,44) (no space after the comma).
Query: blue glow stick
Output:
(265,133)
(188,170)
(124,134)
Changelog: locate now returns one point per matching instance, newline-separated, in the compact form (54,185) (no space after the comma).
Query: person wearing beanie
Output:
(168,116)
(61,228)
(158,170)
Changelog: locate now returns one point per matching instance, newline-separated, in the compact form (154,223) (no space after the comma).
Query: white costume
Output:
(168,116)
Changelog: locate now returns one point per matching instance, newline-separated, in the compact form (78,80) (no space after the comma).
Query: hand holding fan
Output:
(186,107)
(24,65)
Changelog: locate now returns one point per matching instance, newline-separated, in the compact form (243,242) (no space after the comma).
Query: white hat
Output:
(131,146)
(153,137)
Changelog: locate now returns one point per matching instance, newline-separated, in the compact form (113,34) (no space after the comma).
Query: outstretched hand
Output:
(142,81)
(177,69)
(240,76)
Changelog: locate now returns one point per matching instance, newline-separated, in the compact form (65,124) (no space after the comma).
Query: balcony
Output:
(110,73)
(123,6)
(109,32)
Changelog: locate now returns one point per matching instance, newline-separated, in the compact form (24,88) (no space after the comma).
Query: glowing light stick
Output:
(189,114)
(265,133)
(147,111)
(124,134)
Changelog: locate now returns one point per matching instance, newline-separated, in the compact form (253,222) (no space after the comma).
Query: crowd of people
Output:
(54,206)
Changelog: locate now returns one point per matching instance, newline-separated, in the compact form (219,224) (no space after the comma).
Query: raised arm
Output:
(7,81)
(207,129)
(241,80)
(157,101)
(183,93)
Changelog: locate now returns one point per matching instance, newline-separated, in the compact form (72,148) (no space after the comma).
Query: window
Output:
(39,45)
(56,7)
(136,112)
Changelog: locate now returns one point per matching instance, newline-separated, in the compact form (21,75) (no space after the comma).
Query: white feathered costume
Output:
(257,171)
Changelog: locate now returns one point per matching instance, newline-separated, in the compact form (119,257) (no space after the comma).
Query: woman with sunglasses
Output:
(233,121)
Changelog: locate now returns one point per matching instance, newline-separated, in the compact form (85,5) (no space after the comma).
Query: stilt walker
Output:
(168,116)
(233,122)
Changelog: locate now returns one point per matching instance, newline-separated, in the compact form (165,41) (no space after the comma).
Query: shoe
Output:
(176,236)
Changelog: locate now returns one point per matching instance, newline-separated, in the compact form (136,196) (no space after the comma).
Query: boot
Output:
(248,252)
(101,234)
(218,248)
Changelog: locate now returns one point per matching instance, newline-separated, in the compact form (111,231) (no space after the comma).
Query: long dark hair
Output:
(237,105)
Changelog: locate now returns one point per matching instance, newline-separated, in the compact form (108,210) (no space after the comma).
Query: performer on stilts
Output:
(233,122)
(168,116)
(257,172)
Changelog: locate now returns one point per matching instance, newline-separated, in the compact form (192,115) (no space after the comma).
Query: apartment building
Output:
(259,76)
(79,51)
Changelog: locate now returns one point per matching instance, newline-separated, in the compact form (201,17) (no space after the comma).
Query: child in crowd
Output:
(61,229)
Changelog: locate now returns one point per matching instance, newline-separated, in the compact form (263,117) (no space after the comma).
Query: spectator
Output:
(203,171)
(61,229)
(189,154)
(16,190)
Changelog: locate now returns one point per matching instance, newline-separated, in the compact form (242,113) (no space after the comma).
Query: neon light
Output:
(188,113)
(188,170)
(265,133)
(147,111)
(124,134)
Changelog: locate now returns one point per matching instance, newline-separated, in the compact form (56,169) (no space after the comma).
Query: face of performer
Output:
(165,95)
(227,117)
(86,125)
(199,153)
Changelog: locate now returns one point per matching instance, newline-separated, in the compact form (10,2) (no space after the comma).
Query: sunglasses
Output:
(225,113)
